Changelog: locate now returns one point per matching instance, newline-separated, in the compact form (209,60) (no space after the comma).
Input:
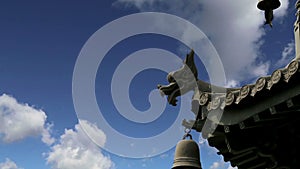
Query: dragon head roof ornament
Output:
(180,81)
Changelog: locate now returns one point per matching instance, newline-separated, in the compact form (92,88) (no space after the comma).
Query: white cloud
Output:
(18,121)
(94,132)
(164,156)
(76,151)
(217,165)
(287,54)
(232,84)
(230,167)
(262,69)
(221,165)
(8,164)
(282,11)
(46,136)
(234,27)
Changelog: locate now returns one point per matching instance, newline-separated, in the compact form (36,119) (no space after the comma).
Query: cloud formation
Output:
(230,167)
(76,151)
(234,27)
(217,165)
(287,54)
(19,121)
(8,164)
(221,165)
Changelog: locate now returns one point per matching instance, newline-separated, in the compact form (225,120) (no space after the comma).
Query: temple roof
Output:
(253,126)
(250,99)
(258,127)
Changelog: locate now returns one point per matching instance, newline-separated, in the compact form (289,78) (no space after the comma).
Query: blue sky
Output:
(40,44)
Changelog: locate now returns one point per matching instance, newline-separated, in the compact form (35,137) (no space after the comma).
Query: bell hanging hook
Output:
(187,133)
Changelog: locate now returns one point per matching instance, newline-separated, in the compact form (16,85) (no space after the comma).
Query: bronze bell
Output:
(268,6)
(187,154)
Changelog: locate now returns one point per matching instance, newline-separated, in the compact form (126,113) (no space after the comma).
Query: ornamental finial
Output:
(268,6)
(297,31)
(298,11)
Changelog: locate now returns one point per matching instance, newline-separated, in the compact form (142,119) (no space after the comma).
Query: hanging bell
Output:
(187,154)
(268,6)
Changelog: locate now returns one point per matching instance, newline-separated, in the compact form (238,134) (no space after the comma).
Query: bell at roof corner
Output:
(268,6)
(187,155)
